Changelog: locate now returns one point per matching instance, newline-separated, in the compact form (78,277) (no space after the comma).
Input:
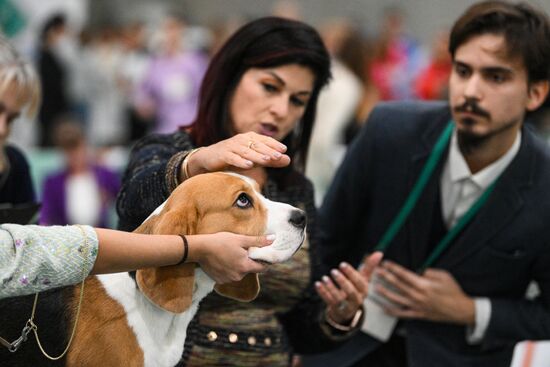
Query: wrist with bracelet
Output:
(177,169)
(185,164)
(185,249)
(336,325)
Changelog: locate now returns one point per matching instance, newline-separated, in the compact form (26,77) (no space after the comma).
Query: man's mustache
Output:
(471,106)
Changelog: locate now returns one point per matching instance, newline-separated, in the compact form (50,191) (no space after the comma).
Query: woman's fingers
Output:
(262,150)
(333,294)
(270,148)
(355,277)
(262,155)
(245,155)
(264,144)
(237,160)
(241,151)
(325,294)
(348,284)
(349,288)
(342,296)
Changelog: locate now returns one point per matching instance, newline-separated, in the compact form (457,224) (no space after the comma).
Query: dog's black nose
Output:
(298,218)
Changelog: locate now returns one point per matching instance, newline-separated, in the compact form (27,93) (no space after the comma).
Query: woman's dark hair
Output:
(263,43)
(525,29)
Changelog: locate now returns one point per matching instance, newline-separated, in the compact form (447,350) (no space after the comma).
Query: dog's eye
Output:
(243,201)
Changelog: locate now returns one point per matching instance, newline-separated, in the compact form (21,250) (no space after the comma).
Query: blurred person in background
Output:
(19,91)
(357,52)
(170,89)
(134,64)
(541,120)
(53,72)
(336,107)
(289,9)
(83,192)
(101,89)
(221,29)
(255,116)
(398,58)
(433,82)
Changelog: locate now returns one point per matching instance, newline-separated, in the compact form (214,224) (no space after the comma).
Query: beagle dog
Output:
(142,320)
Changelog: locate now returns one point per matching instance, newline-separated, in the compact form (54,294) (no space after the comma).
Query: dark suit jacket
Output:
(496,256)
(17,187)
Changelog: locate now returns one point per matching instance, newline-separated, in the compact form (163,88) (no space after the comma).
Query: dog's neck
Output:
(160,334)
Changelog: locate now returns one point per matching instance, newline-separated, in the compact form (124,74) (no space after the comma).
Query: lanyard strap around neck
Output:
(427,170)
(414,195)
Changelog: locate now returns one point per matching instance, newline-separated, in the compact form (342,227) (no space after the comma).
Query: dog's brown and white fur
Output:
(122,324)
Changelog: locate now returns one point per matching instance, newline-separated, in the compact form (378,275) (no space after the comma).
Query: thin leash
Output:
(31,326)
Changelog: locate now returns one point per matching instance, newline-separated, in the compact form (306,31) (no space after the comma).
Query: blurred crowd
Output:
(112,84)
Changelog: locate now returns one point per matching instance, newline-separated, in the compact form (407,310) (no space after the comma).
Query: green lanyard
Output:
(414,195)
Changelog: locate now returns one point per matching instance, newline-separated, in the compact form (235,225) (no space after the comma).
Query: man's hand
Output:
(434,295)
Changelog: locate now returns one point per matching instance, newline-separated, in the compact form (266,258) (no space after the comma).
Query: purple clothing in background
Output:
(172,86)
(54,201)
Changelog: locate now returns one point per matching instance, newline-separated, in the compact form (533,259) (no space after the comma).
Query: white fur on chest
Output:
(159,333)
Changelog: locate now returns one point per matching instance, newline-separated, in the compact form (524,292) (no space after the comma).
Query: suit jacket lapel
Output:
(503,204)
(418,228)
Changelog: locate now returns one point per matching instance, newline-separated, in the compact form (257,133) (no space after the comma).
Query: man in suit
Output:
(467,307)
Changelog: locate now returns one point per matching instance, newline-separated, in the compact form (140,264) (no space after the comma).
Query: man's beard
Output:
(469,142)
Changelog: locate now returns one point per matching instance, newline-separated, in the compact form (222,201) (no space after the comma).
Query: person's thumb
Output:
(370,263)
(258,241)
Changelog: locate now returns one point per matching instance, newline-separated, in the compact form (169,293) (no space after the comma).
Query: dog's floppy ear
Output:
(169,287)
(245,290)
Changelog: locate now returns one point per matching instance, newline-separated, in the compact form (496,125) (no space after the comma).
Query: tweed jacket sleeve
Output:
(35,259)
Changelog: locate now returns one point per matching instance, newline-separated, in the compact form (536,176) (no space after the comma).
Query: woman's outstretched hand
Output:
(346,289)
(243,151)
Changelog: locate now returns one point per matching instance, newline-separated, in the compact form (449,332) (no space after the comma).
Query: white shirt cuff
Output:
(475,334)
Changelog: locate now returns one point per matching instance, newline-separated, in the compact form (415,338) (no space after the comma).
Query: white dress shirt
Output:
(459,191)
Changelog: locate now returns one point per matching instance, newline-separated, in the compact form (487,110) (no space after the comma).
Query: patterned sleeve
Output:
(35,258)
(144,184)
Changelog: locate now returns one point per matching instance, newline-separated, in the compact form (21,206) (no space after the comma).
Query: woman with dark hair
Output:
(255,116)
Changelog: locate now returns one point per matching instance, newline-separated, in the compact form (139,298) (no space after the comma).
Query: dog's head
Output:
(217,202)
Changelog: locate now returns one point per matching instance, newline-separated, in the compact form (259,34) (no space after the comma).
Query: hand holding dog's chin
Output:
(224,255)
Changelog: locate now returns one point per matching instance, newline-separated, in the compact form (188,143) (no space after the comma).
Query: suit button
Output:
(212,336)
(233,338)
(267,342)
(251,340)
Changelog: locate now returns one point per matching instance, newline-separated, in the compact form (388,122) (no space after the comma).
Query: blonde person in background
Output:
(19,88)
